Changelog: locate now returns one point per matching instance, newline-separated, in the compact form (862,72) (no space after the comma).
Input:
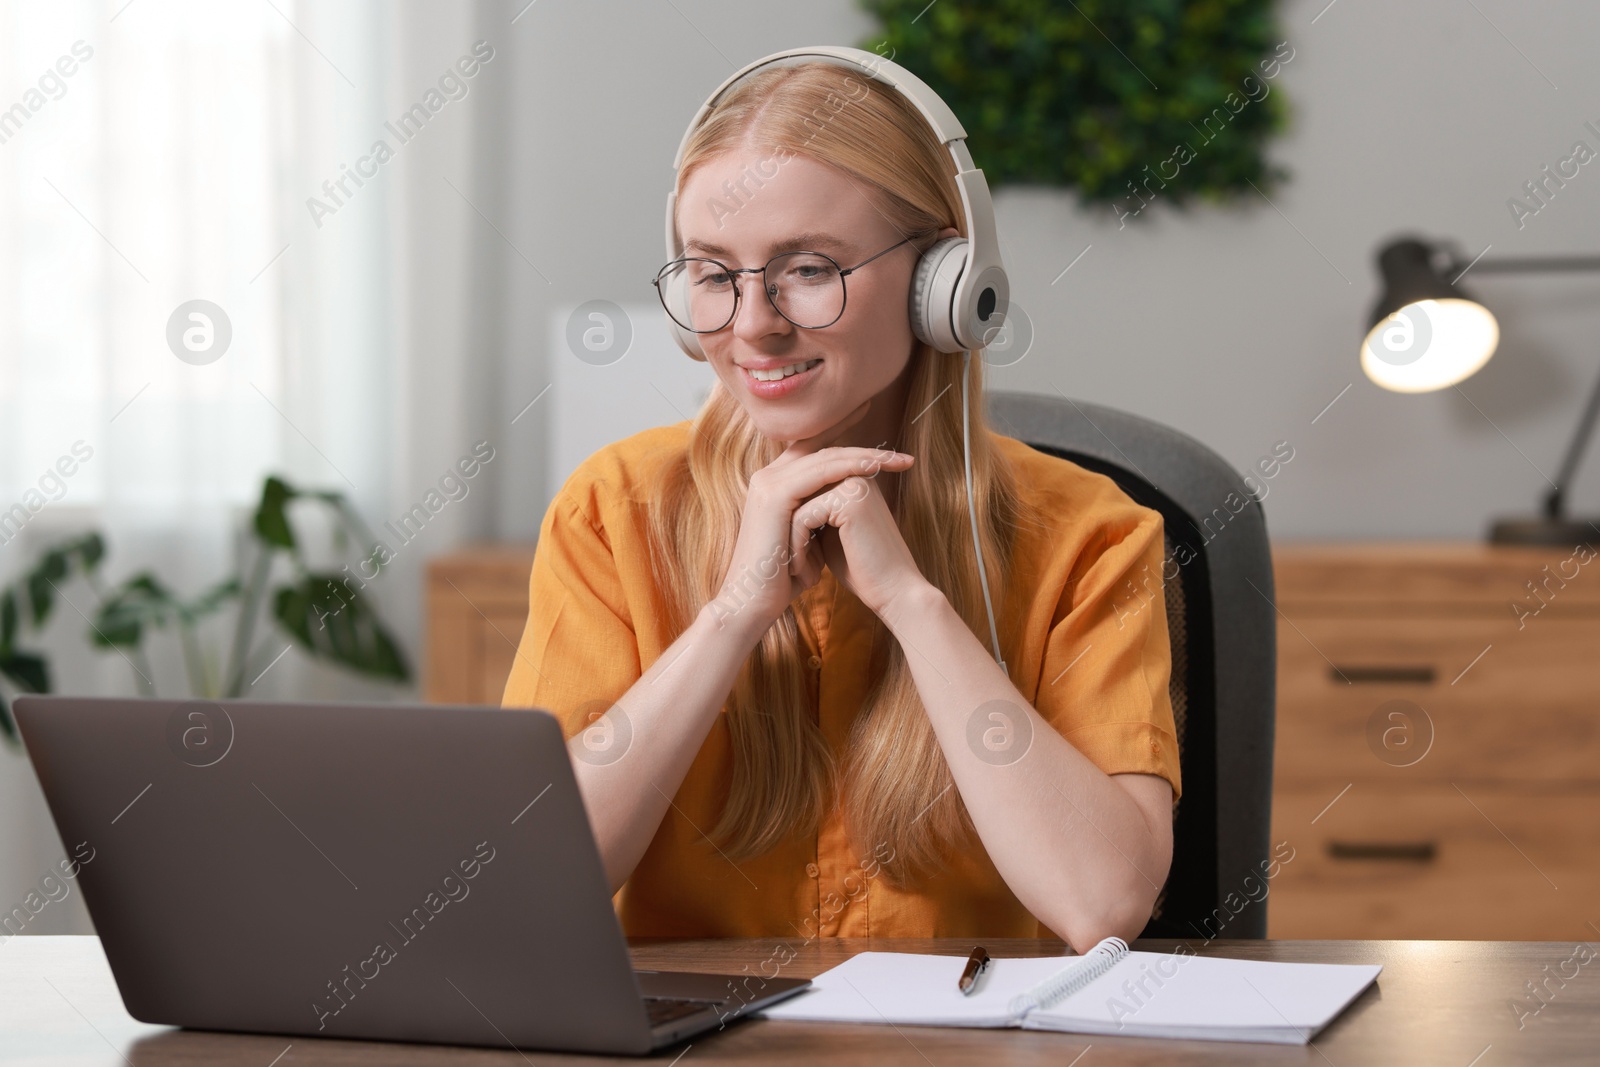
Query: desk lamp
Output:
(1426,333)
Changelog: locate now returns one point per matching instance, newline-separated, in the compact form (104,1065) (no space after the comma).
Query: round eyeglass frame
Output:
(766,287)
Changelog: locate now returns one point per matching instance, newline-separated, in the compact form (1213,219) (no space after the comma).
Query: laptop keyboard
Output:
(666,1009)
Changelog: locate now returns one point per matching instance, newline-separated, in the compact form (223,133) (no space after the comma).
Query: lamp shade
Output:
(1424,332)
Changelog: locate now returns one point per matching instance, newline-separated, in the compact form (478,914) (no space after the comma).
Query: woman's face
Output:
(813,206)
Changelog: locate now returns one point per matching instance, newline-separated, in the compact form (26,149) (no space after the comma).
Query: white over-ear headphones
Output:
(959,292)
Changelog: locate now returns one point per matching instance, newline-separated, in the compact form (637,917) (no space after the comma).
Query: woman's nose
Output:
(756,316)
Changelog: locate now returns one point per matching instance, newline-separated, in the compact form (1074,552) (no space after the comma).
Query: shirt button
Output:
(811,870)
(816,662)
(1155,747)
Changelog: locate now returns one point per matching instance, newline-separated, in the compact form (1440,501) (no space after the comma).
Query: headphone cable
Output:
(972,508)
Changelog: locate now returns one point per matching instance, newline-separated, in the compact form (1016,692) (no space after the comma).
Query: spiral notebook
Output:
(1107,990)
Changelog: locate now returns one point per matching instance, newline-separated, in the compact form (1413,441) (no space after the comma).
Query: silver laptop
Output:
(398,872)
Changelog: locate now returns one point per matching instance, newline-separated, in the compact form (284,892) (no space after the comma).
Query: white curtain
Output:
(154,153)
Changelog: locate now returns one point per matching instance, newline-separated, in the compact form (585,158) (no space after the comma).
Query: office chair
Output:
(1224,649)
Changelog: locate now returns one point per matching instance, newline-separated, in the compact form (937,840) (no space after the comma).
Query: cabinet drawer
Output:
(1435,861)
(1401,699)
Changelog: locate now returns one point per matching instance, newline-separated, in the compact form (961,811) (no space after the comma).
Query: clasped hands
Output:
(818,505)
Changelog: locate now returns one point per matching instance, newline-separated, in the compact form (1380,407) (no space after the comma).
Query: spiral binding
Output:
(1095,962)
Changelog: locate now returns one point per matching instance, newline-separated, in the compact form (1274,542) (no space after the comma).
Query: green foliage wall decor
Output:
(1128,101)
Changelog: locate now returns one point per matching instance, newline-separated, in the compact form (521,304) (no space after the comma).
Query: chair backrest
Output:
(1221,618)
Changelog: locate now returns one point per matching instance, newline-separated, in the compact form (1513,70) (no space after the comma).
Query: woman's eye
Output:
(811,273)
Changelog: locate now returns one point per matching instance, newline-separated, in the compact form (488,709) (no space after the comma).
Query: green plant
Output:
(1100,94)
(24,670)
(317,609)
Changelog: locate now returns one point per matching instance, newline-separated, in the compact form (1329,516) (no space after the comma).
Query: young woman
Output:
(763,628)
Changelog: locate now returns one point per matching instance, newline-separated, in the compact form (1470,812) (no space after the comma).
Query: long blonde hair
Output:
(894,783)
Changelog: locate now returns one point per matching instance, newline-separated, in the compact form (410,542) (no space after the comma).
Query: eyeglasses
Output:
(807,288)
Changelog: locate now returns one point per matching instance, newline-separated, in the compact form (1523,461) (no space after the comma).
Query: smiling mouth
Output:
(779,373)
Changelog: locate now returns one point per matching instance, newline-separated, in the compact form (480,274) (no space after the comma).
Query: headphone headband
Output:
(960,292)
(929,103)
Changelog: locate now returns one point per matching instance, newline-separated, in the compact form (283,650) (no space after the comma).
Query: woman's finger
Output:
(814,515)
(809,475)
(802,548)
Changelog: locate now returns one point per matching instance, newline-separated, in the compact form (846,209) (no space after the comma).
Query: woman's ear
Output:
(949,231)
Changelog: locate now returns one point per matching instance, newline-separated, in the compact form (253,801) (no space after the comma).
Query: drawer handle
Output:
(1419,675)
(1411,851)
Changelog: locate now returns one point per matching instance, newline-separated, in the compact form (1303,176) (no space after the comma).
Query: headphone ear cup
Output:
(675,293)
(933,289)
(689,342)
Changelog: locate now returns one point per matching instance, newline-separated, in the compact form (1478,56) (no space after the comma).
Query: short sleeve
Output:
(578,651)
(1107,660)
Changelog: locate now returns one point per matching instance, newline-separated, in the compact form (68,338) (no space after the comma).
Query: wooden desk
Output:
(1436,1002)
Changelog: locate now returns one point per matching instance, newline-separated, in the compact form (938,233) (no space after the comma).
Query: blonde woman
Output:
(763,628)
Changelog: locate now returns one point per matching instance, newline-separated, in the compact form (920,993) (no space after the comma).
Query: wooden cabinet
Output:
(1438,731)
(477,607)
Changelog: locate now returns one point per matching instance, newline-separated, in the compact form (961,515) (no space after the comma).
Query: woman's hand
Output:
(777,556)
(861,542)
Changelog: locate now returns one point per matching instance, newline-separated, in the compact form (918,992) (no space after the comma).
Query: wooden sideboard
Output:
(1437,733)
(1436,760)
(477,606)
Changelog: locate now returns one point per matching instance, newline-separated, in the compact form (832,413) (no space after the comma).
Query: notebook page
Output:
(913,989)
(1160,993)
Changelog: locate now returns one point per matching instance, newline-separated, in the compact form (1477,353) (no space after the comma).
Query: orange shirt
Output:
(1094,661)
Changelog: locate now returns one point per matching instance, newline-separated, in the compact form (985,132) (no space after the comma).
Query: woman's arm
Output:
(1084,851)
(669,711)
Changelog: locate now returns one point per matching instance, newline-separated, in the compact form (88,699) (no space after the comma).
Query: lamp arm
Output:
(1521,265)
(1555,500)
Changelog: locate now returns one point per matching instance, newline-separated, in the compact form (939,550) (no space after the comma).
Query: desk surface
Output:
(1436,1002)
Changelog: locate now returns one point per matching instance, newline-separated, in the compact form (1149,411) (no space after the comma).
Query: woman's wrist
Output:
(917,601)
(733,622)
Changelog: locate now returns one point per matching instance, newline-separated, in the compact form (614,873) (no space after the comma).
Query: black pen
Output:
(976,964)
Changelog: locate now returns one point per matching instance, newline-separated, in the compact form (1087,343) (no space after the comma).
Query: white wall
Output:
(621,385)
